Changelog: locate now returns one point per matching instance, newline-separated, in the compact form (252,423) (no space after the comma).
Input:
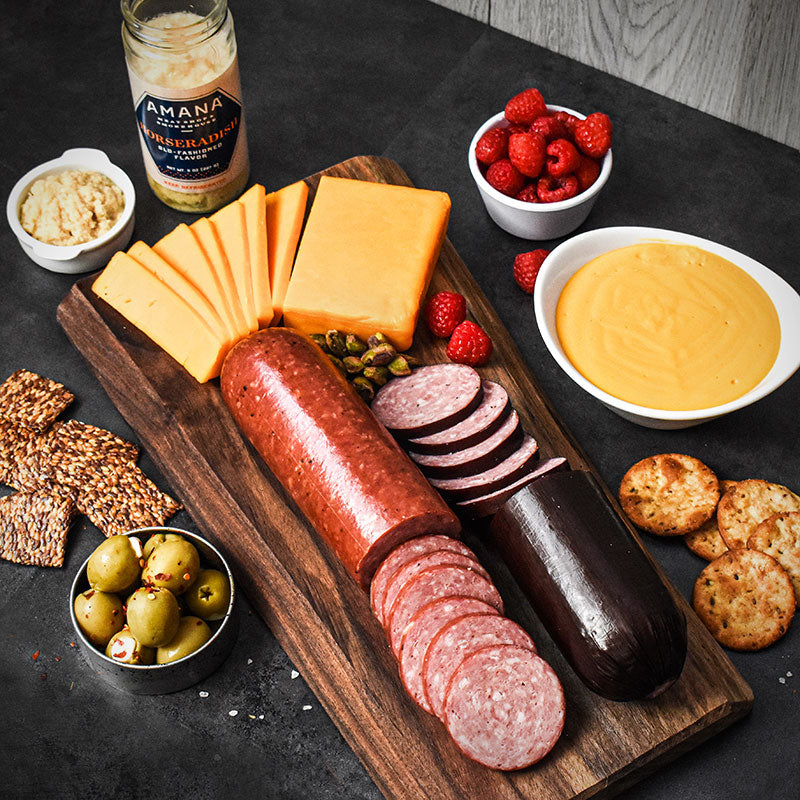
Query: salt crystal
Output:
(249,661)
(233,712)
(781,680)
(295,674)
(203,694)
(306,708)
(261,716)
(788,674)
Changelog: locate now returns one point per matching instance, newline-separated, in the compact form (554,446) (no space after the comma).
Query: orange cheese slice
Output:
(366,258)
(254,202)
(231,228)
(167,274)
(285,211)
(163,315)
(181,249)
(206,235)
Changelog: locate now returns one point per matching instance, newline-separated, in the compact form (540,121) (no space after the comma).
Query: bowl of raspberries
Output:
(539,167)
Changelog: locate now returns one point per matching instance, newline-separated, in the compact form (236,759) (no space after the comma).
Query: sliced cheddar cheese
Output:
(366,258)
(231,228)
(163,315)
(181,249)
(166,273)
(206,235)
(285,211)
(254,202)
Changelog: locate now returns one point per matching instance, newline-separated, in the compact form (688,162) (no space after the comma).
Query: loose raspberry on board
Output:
(469,344)
(444,312)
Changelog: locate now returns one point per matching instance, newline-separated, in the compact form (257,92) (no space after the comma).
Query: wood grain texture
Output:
(321,617)
(738,60)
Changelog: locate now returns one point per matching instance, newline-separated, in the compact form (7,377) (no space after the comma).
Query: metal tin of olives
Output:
(140,678)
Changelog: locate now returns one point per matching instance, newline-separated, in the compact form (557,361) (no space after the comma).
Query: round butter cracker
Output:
(707,541)
(669,494)
(749,503)
(745,599)
(779,536)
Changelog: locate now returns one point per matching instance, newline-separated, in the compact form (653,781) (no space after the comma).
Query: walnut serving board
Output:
(323,619)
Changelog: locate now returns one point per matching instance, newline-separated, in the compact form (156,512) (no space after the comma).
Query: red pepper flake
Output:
(187,576)
(35,655)
(58,658)
(72,644)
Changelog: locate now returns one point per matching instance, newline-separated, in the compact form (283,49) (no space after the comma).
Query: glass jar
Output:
(184,75)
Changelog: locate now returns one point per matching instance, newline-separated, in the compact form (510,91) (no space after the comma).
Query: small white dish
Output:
(566,259)
(72,259)
(537,221)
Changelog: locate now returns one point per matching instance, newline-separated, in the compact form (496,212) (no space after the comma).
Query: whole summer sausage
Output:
(341,467)
(592,586)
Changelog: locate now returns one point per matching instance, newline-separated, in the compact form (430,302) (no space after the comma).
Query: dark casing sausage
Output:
(592,586)
(343,469)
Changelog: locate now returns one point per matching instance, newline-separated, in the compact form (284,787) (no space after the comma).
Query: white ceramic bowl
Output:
(566,259)
(90,255)
(538,221)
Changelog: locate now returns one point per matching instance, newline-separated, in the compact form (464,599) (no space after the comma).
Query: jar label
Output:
(190,140)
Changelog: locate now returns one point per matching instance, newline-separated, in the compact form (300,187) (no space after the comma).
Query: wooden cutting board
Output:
(323,620)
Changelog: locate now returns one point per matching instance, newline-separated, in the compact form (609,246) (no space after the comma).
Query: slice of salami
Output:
(407,572)
(488,504)
(458,639)
(405,553)
(430,584)
(429,400)
(519,463)
(478,458)
(479,425)
(419,633)
(504,707)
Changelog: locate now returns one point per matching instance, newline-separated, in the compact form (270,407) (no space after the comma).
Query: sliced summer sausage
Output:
(419,633)
(429,400)
(458,639)
(430,584)
(519,463)
(479,425)
(504,707)
(341,467)
(478,458)
(403,554)
(488,504)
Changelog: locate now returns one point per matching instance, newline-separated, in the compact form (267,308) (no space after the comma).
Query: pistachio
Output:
(378,375)
(378,339)
(320,339)
(399,366)
(379,356)
(352,364)
(354,345)
(337,362)
(413,361)
(364,388)
(336,343)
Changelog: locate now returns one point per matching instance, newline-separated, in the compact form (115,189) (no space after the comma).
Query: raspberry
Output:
(551,190)
(562,158)
(550,127)
(593,135)
(587,173)
(525,107)
(512,129)
(528,194)
(505,177)
(444,311)
(526,152)
(526,268)
(492,146)
(469,344)
(569,121)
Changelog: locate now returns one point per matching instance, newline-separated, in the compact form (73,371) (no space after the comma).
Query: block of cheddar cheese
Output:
(285,211)
(254,203)
(163,315)
(366,258)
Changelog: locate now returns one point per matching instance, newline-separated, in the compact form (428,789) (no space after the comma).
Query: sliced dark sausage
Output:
(341,467)
(504,707)
(478,458)
(429,400)
(479,425)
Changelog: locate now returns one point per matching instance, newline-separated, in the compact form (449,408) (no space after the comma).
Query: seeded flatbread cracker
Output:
(706,541)
(779,536)
(124,498)
(669,494)
(30,472)
(34,526)
(33,401)
(749,503)
(12,438)
(745,599)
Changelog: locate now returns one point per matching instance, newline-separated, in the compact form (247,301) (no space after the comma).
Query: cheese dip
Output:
(668,326)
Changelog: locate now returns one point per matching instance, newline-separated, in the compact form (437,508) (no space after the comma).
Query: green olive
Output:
(124,648)
(192,634)
(156,539)
(115,564)
(153,615)
(172,565)
(99,616)
(210,595)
